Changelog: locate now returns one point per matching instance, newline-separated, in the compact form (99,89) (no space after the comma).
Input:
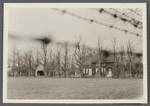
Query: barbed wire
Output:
(132,21)
(134,12)
(95,21)
(123,14)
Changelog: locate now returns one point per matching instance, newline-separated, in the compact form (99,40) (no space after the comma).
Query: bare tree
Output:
(37,57)
(90,52)
(26,69)
(140,69)
(131,57)
(44,42)
(72,64)
(22,63)
(19,62)
(30,62)
(114,42)
(80,53)
(50,56)
(69,62)
(14,60)
(100,45)
(58,60)
(122,59)
(51,65)
(9,64)
(44,57)
(117,65)
(65,63)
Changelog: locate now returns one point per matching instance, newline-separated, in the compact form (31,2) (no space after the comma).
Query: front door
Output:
(109,72)
(90,72)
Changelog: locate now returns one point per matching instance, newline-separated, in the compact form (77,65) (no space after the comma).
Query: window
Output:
(84,70)
(87,70)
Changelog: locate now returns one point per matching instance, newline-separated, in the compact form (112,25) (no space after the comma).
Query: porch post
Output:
(36,73)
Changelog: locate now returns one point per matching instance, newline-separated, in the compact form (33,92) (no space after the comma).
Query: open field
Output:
(73,88)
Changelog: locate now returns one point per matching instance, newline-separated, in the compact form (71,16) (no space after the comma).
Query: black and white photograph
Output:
(75,53)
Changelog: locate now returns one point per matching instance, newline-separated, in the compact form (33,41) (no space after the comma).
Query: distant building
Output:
(13,70)
(39,71)
(91,66)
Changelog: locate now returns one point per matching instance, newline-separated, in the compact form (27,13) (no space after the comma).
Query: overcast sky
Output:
(27,23)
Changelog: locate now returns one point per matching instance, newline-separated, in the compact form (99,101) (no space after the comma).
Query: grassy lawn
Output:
(73,88)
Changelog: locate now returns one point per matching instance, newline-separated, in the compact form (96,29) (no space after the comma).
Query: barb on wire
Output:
(135,12)
(95,21)
(123,14)
(132,21)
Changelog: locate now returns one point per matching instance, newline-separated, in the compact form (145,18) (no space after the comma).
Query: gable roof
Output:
(95,59)
(40,67)
(88,62)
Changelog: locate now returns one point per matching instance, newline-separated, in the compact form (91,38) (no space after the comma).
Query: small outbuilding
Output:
(39,70)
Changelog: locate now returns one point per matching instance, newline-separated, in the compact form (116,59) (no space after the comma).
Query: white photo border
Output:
(8,6)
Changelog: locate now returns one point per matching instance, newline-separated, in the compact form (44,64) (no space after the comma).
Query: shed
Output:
(39,70)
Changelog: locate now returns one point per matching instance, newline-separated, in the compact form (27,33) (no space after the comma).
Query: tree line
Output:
(66,60)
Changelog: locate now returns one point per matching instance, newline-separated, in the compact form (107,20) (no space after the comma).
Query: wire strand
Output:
(92,20)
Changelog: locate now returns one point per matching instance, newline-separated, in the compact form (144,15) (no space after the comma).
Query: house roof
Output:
(95,59)
(88,62)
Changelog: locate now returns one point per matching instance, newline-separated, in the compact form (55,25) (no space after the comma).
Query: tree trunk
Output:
(130,69)
(59,70)
(81,71)
(13,73)
(29,73)
(123,72)
(66,73)
(137,73)
(140,72)
(113,72)
(117,72)
(100,72)
(20,73)
(45,73)
(50,72)
(59,74)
